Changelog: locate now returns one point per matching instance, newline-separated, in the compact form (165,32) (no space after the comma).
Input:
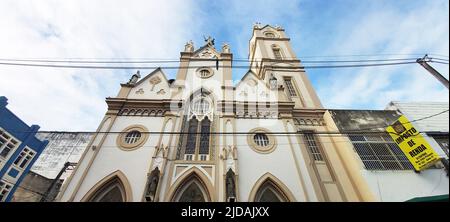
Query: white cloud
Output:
(384,32)
(70,99)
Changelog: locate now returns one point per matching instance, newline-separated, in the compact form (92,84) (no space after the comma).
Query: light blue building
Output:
(19,149)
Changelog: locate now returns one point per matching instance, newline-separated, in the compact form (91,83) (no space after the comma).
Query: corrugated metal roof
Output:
(418,110)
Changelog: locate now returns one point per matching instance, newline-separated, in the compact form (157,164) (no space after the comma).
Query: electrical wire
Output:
(446,63)
(195,67)
(177,61)
(372,130)
(433,58)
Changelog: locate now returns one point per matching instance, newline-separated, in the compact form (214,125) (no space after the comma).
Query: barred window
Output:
(313,148)
(132,137)
(261,139)
(443,142)
(4,190)
(290,86)
(380,152)
(7,144)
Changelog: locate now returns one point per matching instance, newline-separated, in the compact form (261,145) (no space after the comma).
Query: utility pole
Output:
(423,62)
(52,186)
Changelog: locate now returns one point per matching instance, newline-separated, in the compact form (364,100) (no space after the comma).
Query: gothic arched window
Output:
(269,34)
(110,192)
(277,52)
(196,144)
(204,136)
(201,106)
(192,136)
(192,192)
(268,192)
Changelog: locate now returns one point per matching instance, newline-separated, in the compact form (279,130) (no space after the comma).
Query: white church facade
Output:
(201,137)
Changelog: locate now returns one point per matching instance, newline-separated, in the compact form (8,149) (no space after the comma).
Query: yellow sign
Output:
(412,143)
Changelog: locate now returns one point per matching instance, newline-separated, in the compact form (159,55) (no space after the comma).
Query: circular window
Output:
(269,34)
(204,72)
(132,137)
(261,141)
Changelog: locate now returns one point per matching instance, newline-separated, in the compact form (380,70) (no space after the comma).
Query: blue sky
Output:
(66,99)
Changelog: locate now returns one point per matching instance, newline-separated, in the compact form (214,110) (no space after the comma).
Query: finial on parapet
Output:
(189,47)
(135,78)
(225,48)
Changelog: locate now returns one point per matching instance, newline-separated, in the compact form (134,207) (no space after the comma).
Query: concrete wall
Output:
(33,188)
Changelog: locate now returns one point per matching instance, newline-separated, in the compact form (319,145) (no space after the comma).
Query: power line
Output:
(238,58)
(177,61)
(433,58)
(427,117)
(195,67)
(373,130)
(446,63)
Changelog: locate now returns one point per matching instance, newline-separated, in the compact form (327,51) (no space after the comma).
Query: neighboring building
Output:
(435,127)
(380,161)
(200,156)
(34,187)
(19,149)
(62,148)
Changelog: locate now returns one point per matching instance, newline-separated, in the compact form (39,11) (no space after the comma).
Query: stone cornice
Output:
(140,107)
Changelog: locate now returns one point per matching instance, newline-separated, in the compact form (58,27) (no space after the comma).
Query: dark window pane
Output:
(192,136)
(204,138)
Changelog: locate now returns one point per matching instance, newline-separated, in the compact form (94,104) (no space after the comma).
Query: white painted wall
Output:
(134,164)
(280,162)
(399,186)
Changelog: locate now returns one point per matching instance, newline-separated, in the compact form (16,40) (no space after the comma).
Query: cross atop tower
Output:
(209,41)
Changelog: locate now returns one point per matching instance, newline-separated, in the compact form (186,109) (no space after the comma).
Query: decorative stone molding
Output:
(261,149)
(229,155)
(154,81)
(200,71)
(309,121)
(161,92)
(226,48)
(142,112)
(158,156)
(120,140)
(140,91)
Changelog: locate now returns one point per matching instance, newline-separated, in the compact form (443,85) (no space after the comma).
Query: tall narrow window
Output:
(277,53)
(24,158)
(290,86)
(192,136)
(204,137)
(313,148)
